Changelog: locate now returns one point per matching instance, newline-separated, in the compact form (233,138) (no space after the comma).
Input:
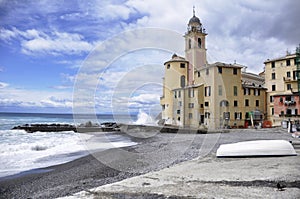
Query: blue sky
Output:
(45,44)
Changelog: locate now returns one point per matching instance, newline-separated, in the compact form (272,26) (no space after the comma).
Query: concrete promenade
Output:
(211,177)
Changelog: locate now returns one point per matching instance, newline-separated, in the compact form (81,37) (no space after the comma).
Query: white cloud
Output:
(146,99)
(56,102)
(16,97)
(3,85)
(58,43)
(247,31)
(34,42)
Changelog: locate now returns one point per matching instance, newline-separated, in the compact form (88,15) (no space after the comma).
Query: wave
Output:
(21,151)
(145,119)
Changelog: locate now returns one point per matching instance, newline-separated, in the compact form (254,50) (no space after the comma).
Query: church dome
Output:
(194,19)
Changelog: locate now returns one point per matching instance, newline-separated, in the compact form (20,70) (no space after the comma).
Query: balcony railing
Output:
(290,103)
(289,79)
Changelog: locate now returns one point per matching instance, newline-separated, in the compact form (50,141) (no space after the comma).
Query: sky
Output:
(106,56)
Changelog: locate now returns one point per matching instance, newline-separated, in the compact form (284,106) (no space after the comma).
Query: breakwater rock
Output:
(30,128)
(107,127)
(83,128)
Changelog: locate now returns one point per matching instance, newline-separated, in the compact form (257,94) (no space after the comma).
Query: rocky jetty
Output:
(107,127)
(82,128)
(30,128)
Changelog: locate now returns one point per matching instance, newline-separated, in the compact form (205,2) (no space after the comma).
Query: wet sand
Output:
(159,151)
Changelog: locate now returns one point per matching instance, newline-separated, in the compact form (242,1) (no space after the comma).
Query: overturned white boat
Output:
(257,148)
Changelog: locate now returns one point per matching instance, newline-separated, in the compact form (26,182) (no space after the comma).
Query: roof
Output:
(289,56)
(254,86)
(176,58)
(252,75)
(287,94)
(194,19)
(219,64)
(189,86)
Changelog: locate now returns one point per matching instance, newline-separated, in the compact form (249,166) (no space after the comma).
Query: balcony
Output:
(289,79)
(290,103)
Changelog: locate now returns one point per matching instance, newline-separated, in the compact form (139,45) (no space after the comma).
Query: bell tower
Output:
(195,48)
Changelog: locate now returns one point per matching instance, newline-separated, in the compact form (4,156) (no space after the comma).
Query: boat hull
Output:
(257,148)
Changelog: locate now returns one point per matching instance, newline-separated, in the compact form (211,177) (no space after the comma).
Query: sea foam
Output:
(21,151)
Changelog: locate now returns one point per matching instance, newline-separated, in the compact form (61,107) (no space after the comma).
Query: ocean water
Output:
(21,151)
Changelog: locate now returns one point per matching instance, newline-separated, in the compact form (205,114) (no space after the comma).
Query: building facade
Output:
(283,84)
(197,94)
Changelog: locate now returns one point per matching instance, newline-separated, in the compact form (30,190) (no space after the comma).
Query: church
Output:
(198,94)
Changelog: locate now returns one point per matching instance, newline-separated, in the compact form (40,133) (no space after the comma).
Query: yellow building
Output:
(282,82)
(197,94)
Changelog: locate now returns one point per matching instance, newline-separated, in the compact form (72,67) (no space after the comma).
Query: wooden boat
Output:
(257,148)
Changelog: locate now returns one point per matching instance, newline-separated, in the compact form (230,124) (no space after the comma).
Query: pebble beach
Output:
(183,166)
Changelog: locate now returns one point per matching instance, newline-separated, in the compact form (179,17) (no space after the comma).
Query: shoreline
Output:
(88,172)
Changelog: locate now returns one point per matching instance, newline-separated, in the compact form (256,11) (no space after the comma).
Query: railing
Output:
(290,103)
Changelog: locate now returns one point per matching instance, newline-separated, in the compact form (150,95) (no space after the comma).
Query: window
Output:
(295,75)
(235,71)
(206,104)
(220,90)
(191,105)
(226,115)
(180,103)
(247,115)
(296,111)
(190,43)
(199,42)
(163,107)
(288,62)
(273,76)
(238,115)
(289,87)
(224,103)
(273,87)
(175,94)
(271,99)
(179,94)
(190,115)
(289,98)
(168,66)
(201,105)
(182,65)
(235,103)
(246,102)
(288,74)
(207,71)
(257,103)
(272,111)
(178,118)
(246,91)
(191,92)
(281,99)
(182,81)
(207,91)
(207,115)
(273,64)
(256,92)
(235,93)
(178,111)
(220,69)
(199,74)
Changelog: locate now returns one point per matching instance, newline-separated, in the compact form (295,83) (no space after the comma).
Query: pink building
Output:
(286,105)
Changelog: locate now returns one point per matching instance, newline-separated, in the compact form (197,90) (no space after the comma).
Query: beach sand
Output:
(171,166)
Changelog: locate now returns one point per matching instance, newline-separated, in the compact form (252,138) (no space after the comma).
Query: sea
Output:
(22,152)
